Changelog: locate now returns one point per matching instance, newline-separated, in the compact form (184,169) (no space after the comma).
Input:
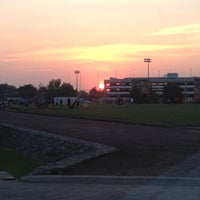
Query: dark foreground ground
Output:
(143,150)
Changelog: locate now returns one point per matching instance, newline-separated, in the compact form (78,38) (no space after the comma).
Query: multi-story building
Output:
(121,88)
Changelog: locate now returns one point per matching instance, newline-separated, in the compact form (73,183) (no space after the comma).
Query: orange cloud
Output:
(107,53)
(185,29)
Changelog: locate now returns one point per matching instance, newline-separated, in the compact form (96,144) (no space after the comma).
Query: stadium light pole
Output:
(148,60)
(77,72)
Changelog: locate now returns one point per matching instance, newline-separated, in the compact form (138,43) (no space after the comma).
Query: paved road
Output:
(129,138)
(143,150)
(114,134)
(72,190)
(103,132)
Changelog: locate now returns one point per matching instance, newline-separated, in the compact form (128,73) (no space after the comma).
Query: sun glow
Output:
(101,86)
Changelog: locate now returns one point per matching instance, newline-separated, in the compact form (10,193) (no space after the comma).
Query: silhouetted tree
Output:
(56,88)
(42,90)
(53,88)
(172,93)
(67,90)
(154,97)
(8,90)
(95,94)
(83,94)
(27,91)
(139,93)
(2,94)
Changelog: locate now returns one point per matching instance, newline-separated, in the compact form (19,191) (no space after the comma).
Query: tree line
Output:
(55,88)
(171,93)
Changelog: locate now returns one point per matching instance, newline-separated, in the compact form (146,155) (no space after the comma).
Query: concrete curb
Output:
(6,176)
(115,180)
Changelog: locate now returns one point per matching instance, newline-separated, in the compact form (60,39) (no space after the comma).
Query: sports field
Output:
(148,114)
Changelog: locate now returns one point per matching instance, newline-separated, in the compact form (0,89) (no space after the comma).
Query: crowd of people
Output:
(40,102)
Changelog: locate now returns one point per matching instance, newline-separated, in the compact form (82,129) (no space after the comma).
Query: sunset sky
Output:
(50,39)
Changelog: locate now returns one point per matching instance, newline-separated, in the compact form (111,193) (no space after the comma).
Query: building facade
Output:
(121,88)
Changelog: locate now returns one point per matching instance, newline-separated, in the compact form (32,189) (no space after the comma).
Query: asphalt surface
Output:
(59,188)
(126,138)
(143,150)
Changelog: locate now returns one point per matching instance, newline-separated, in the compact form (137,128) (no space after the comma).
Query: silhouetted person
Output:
(77,102)
(61,102)
(56,102)
(68,102)
(53,103)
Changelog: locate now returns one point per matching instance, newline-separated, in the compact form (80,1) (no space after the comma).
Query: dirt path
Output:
(143,150)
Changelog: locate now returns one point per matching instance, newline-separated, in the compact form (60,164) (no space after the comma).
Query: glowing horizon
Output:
(45,40)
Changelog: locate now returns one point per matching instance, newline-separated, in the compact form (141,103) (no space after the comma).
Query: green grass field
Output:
(15,164)
(148,114)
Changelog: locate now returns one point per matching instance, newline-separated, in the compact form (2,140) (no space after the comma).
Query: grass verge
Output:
(149,114)
(16,164)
